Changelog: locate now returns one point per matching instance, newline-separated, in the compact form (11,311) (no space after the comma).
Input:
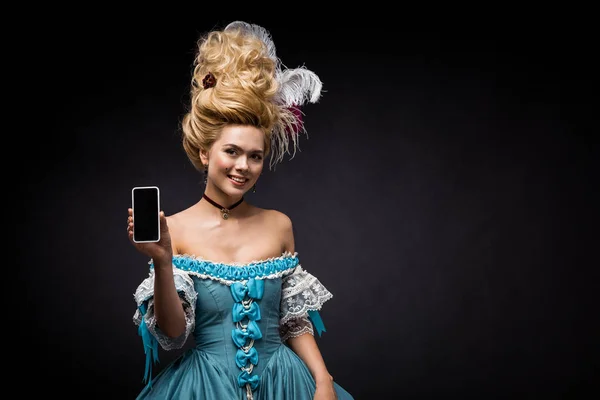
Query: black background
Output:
(446,193)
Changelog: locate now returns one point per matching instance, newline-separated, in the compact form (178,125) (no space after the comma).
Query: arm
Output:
(170,317)
(305,345)
(306,348)
(168,309)
(166,299)
(158,299)
(149,306)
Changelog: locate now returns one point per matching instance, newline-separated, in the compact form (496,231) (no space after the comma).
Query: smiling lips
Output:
(237,180)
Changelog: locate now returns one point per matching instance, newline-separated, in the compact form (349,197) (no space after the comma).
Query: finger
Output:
(129,211)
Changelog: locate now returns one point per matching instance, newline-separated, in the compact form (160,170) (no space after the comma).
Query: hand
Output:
(325,391)
(158,251)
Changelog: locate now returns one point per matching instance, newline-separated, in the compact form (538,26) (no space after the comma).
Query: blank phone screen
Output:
(146,209)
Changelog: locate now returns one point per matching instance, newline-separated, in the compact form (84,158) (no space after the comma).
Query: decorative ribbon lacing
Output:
(245,313)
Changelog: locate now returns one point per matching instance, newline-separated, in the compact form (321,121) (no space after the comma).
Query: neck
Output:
(221,197)
(222,204)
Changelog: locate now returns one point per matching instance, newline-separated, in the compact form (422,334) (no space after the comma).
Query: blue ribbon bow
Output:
(245,377)
(252,332)
(239,312)
(242,358)
(254,288)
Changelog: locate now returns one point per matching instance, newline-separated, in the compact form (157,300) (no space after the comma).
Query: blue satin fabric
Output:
(224,325)
(150,346)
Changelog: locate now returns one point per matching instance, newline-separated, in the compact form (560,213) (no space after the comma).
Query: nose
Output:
(242,163)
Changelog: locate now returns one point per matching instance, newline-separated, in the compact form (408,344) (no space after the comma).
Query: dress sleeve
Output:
(144,298)
(301,298)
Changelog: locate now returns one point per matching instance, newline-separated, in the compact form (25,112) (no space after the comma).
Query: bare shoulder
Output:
(274,218)
(282,219)
(177,224)
(283,225)
(176,219)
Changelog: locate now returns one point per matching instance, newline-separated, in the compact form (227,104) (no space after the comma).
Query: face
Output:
(235,160)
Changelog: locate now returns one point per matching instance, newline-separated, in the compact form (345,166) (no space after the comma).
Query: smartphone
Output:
(145,203)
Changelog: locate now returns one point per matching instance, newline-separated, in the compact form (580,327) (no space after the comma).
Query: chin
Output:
(236,192)
(233,191)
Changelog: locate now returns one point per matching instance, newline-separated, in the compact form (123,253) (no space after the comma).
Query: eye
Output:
(230,151)
(257,157)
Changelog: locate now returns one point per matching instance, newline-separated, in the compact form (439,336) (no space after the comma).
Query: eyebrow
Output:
(239,148)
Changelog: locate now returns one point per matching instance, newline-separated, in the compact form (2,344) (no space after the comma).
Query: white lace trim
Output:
(183,283)
(296,327)
(301,292)
(145,292)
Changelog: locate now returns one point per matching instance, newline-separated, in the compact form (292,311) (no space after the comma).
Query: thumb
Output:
(163,222)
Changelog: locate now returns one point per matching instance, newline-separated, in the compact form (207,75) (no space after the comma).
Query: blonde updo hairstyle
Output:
(243,94)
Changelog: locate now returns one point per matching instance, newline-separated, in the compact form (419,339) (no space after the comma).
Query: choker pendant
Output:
(224,211)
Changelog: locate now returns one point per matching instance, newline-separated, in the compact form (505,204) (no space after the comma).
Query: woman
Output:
(225,271)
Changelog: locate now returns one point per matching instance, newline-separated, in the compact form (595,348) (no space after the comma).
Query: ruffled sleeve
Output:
(144,298)
(301,298)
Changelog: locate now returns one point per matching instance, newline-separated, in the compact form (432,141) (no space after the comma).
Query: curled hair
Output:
(237,80)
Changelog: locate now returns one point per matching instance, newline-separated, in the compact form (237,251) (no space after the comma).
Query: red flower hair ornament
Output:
(209,81)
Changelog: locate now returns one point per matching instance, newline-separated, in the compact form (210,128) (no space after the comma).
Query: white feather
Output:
(298,86)
(260,32)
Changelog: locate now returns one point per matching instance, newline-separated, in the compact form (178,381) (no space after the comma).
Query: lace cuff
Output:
(296,327)
(145,294)
(301,292)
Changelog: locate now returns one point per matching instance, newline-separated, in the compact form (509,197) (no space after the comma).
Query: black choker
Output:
(224,211)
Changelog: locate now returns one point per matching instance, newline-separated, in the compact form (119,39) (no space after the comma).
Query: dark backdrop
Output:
(446,195)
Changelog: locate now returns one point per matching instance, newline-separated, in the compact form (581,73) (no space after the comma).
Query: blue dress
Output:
(240,317)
